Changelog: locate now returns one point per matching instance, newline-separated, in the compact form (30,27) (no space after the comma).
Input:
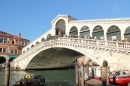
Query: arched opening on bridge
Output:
(84,32)
(43,39)
(2,59)
(114,33)
(73,32)
(60,28)
(37,42)
(27,49)
(32,46)
(24,51)
(127,34)
(98,32)
(48,36)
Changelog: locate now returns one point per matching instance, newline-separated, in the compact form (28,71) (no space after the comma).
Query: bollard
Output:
(7,73)
(76,72)
(92,70)
(104,73)
(82,74)
(87,69)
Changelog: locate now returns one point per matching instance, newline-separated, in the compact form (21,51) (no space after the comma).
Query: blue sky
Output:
(32,18)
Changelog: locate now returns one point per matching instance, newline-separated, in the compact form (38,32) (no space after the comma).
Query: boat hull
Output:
(118,80)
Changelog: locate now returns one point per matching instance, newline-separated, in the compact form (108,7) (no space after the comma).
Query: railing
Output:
(124,46)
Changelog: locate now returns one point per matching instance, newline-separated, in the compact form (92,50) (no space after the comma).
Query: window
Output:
(24,43)
(4,50)
(0,49)
(4,40)
(1,40)
(15,51)
(12,42)
(12,50)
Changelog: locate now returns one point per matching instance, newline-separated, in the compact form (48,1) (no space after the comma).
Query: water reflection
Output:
(53,77)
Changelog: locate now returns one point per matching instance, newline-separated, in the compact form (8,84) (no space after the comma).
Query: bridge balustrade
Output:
(98,43)
(80,41)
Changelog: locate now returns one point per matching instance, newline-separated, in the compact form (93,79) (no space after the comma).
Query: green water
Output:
(64,77)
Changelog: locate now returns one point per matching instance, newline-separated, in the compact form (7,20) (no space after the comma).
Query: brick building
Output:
(11,45)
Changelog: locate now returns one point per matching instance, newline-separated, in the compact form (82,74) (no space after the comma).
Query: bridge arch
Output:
(79,50)
(60,28)
(114,33)
(127,33)
(98,32)
(73,31)
(85,31)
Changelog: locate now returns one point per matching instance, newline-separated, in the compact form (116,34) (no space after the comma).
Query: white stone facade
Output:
(121,23)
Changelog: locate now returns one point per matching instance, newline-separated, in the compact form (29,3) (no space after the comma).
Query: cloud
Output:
(117,6)
(116,9)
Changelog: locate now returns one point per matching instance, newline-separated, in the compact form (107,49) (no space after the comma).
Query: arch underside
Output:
(53,58)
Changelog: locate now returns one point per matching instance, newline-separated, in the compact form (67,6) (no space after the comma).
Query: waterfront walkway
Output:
(93,82)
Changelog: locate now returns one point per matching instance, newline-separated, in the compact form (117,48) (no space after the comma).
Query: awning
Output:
(13,57)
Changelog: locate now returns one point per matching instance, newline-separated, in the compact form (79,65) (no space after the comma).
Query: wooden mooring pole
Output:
(82,74)
(104,72)
(7,73)
(76,76)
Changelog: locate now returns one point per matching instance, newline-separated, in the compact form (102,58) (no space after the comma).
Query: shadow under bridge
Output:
(54,58)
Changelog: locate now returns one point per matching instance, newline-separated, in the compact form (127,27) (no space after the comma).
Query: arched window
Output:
(127,34)
(84,32)
(73,32)
(98,32)
(113,33)
(60,28)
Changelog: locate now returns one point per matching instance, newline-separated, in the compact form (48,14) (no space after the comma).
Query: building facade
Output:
(11,45)
(117,29)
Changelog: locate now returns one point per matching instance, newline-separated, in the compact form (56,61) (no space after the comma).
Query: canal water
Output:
(63,77)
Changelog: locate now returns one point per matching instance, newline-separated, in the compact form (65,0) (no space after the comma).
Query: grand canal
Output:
(63,77)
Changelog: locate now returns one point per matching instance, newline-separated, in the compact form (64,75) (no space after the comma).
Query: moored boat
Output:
(31,80)
(118,78)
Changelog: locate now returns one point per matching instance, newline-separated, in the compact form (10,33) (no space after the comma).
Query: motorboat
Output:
(121,77)
(31,80)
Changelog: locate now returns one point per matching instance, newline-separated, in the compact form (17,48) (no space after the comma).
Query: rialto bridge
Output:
(70,38)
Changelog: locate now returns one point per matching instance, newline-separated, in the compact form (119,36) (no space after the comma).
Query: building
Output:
(11,45)
(117,29)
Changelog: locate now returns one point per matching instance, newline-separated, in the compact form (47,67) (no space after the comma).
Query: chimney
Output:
(19,35)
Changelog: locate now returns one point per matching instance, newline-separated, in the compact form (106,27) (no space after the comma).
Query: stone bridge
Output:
(61,52)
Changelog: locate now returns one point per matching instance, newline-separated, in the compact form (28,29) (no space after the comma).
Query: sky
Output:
(32,18)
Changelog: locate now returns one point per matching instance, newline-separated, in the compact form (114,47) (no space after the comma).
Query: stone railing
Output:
(125,46)
(113,45)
